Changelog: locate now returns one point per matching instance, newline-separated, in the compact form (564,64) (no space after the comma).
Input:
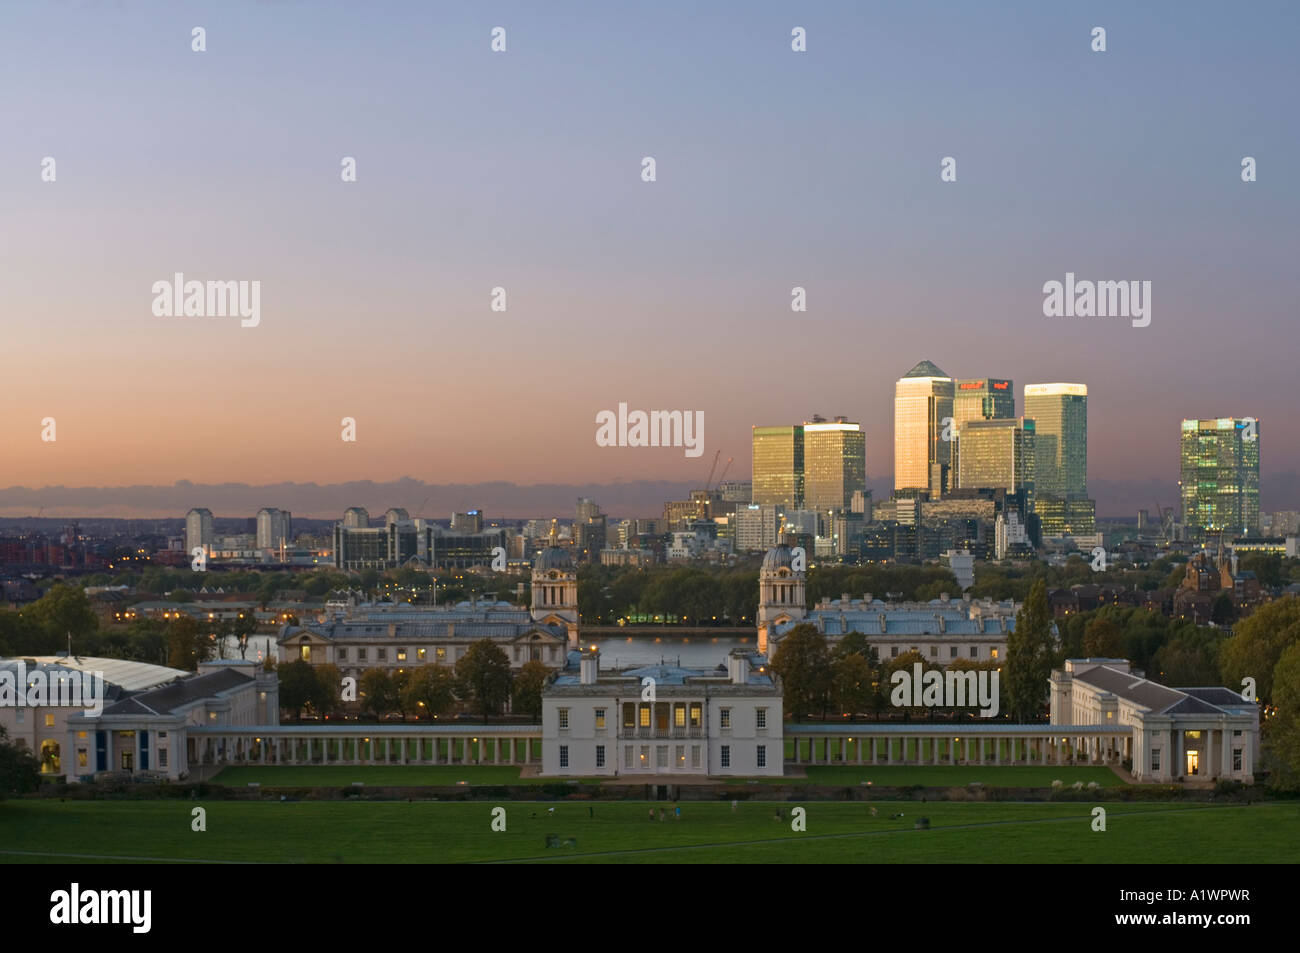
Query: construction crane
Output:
(723,475)
(711,469)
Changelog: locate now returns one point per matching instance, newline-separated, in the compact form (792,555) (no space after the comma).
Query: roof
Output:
(1161,699)
(779,557)
(182,692)
(124,673)
(553,557)
(455,629)
(926,369)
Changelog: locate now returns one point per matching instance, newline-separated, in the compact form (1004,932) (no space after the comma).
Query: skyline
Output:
(521,170)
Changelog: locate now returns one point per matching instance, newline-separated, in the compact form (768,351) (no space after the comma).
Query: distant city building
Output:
(471,522)
(834,462)
(736,492)
(198,530)
(274,527)
(356,517)
(1060,414)
(997,454)
(923,398)
(779,465)
(1219,480)
(755,527)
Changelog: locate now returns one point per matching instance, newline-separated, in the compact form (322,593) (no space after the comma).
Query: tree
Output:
(1281,733)
(1189,658)
(431,690)
(803,661)
(1258,642)
(186,645)
(483,678)
(855,643)
(20,772)
(298,686)
(527,692)
(241,627)
(1223,611)
(329,689)
(1102,638)
(378,692)
(64,609)
(852,685)
(1030,653)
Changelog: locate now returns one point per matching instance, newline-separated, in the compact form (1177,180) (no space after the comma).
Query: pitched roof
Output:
(183,691)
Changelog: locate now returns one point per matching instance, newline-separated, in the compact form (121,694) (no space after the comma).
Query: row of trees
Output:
(481,682)
(850,679)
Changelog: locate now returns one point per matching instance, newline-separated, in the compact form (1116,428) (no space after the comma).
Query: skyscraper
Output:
(984,399)
(198,529)
(997,455)
(1060,414)
(922,400)
(779,466)
(1219,481)
(274,526)
(835,463)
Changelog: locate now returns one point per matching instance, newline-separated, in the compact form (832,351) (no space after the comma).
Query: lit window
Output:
(441,654)
(600,719)
(993,653)
(81,757)
(645,716)
(49,721)
(401,655)
(724,718)
(679,716)
(420,653)
(304,652)
(695,716)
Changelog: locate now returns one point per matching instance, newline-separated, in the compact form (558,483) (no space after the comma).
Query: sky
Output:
(523,170)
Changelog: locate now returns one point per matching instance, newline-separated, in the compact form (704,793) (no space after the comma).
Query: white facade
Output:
(663,721)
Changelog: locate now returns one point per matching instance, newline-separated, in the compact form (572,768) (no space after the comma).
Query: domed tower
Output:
(555,590)
(780,595)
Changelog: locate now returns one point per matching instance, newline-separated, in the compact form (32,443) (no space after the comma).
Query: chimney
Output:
(589,666)
(738,663)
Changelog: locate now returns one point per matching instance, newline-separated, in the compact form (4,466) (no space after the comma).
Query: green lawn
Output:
(424,832)
(940,776)
(893,776)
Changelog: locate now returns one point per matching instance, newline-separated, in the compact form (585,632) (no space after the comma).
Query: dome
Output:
(553,557)
(780,557)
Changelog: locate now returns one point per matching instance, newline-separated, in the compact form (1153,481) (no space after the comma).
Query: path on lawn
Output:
(785,840)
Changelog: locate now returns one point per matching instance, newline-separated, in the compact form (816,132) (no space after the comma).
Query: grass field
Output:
(892,776)
(620,832)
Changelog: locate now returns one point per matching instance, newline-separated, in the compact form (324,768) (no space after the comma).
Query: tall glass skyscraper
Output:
(1060,414)
(984,399)
(998,454)
(922,399)
(779,466)
(835,463)
(1219,482)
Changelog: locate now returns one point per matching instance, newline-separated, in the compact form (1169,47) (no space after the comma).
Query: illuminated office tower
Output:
(922,399)
(1219,482)
(1060,414)
(779,466)
(834,463)
(987,398)
(997,455)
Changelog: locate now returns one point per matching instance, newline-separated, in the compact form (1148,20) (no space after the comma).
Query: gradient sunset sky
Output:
(522,169)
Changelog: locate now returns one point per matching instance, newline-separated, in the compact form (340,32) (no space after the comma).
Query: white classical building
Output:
(663,720)
(942,629)
(148,732)
(1174,733)
(400,636)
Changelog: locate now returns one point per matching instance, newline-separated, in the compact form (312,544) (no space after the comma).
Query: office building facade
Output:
(923,400)
(835,463)
(779,466)
(1219,480)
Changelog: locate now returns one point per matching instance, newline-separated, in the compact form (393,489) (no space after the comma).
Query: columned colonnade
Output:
(861,744)
(367,744)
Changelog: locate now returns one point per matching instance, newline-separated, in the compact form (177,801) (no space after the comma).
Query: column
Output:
(997,750)
(1226,735)
(873,750)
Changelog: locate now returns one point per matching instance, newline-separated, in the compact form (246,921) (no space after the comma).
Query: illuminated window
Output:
(645,716)
(81,757)
(49,721)
(724,718)
(401,655)
(679,716)
(440,654)
(600,719)
(420,653)
(695,716)
(304,653)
